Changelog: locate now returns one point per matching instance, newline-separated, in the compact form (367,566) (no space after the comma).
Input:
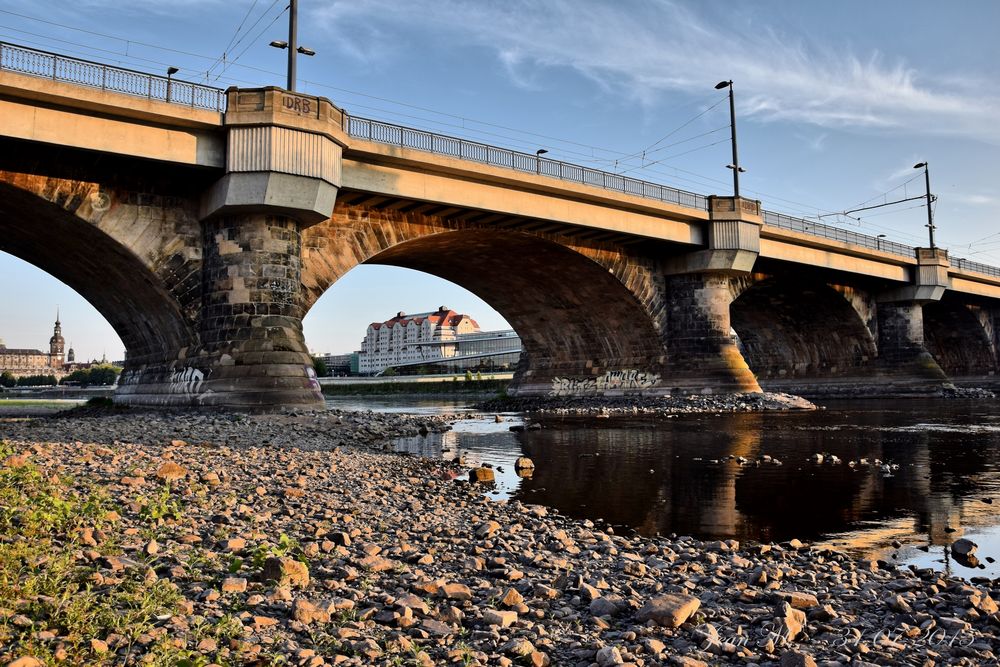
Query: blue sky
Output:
(835,101)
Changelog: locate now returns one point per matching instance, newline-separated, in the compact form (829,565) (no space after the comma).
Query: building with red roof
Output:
(408,339)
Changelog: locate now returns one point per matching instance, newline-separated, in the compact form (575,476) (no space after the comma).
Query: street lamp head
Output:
(172,70)
(541,151)
(279,44)
(920,165)
(880,236)
(723,84)
(305,51)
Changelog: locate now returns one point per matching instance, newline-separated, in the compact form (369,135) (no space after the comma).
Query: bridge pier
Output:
(902,354)
(252,347)
(283,170)
(702,355)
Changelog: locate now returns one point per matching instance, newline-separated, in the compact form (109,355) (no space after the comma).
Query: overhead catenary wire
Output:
(677,155)
(86,51)
(230,44)
(676,130)
(254,40)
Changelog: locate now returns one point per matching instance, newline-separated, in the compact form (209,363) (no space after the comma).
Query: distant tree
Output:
(7,379)
(389,372)
(36,381)
(320,366)
(102,375)
(468,376)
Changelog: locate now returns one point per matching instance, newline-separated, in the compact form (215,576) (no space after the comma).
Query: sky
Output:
(835,103)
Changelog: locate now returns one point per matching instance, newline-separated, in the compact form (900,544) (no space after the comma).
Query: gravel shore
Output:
(615,406)
(298,538)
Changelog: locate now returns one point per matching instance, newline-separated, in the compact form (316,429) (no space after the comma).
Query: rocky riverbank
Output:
(615,406)
(293,539)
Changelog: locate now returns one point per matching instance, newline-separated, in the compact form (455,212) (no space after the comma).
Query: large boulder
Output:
(669,610)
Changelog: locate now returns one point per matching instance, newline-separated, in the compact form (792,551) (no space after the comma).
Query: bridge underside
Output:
(793,331)
(582,307)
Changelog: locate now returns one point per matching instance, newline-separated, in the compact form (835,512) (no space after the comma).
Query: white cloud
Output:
(973,199)
(643,50)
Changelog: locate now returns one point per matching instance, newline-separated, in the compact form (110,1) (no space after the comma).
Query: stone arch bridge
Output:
(204,235)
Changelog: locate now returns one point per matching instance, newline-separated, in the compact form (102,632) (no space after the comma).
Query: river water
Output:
(911,472)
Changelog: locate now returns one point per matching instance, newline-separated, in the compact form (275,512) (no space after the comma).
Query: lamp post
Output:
(538,159)
(878,241)
(293,48)
(170,73)
(735,166)
(930,213)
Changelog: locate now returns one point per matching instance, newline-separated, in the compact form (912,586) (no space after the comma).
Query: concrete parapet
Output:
(930,279)
(733,236)
(284,155)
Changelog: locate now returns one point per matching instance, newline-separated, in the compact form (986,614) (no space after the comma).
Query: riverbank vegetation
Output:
(449,387)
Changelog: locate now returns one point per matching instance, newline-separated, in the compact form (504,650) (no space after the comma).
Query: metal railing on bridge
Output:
(53,66)
(814,228)
(968,265)
(528,163)
(406,137)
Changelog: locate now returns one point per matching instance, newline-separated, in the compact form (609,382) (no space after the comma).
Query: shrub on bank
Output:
(64,607)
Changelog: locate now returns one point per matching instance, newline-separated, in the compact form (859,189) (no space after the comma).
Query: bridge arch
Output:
(128,258)
(958,336)
(581,309)
(800,330)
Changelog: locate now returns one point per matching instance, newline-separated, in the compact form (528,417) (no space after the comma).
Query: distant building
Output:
(340,364)
(477,351)
(21,362)
(447,340)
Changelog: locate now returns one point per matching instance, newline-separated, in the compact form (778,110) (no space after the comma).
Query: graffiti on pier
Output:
(187,381)
(611,381)
(312,378)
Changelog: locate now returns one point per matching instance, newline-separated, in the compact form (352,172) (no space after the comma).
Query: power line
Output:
(677,155)
(254,40)
(886,193)
(86,52)
(107,36)
(908,208)
(675,130)
(229,45)
(683,141)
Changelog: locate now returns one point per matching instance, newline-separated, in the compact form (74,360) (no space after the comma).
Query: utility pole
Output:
(735,166)
(292,44)
(293,26)
(930,213)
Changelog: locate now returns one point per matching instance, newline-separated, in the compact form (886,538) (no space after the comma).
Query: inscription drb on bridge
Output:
(298,104)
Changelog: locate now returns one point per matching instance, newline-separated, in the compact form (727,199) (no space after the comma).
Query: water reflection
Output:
(919,473)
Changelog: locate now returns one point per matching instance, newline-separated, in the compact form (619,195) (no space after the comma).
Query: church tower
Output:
(56,345)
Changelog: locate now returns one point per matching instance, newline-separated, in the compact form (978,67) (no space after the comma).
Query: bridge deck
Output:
(179,121)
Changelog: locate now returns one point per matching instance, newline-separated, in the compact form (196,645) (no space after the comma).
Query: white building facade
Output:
(409,339)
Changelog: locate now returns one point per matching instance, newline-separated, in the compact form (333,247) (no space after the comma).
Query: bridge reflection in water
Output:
(682,475)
